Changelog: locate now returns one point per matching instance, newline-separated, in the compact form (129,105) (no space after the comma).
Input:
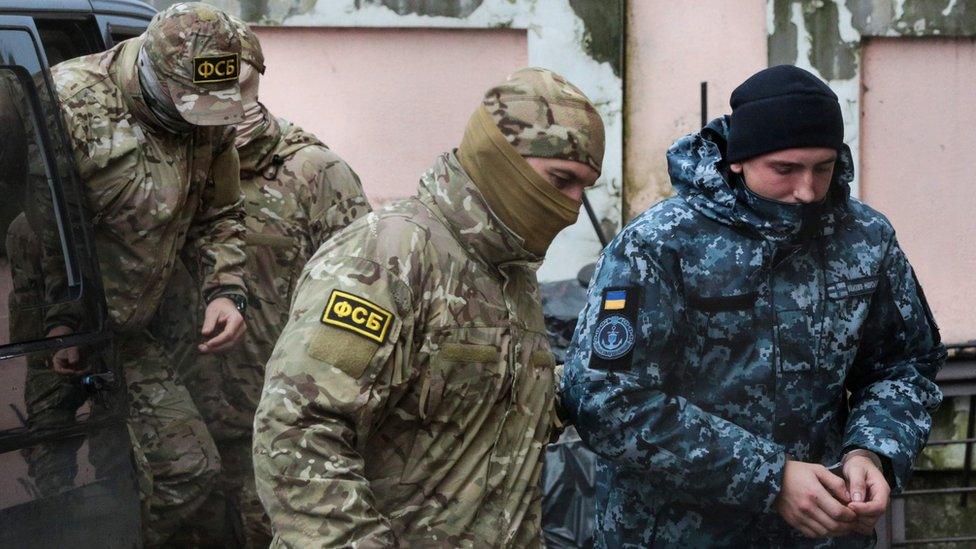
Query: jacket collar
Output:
(449,192)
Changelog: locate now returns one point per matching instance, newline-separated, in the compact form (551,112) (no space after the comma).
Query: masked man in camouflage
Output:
(147,121)
(411,394)
(297,193)
(726,327)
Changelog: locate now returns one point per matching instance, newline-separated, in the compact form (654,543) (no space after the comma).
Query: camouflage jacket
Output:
(411,393)
(297,193)
(149,192)
(716,341)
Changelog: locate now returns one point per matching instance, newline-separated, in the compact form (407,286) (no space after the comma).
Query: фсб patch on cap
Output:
(196,50)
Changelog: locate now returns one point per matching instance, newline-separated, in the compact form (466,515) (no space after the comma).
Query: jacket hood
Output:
(125,74)
(700,175)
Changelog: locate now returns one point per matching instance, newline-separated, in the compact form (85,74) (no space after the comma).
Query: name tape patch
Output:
(216,69)
(357,315)
(852,288)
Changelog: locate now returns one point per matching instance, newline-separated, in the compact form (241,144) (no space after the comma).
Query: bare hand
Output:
(66,361)
(869,492)
(223,324)
(814,501)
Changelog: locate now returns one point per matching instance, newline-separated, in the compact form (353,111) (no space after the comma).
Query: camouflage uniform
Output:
(429,430)
(152,195)
(718,339)
(297,193)
(409,397)
(51,399)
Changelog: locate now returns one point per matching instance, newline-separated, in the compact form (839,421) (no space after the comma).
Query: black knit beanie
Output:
(783,107)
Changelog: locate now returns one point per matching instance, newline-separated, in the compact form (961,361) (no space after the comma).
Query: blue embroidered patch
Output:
(613,338)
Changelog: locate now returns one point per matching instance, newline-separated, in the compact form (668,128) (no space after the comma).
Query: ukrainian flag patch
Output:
(615,300)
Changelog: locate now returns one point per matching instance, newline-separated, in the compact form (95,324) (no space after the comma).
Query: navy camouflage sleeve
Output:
(627,410)
(892,381)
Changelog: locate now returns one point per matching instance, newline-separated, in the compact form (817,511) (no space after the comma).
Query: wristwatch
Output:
(240,301)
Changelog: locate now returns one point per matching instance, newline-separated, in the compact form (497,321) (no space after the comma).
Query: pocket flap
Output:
(462,352)
(718,303)
(542,359)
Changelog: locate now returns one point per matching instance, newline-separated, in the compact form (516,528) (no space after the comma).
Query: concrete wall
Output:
(918,149)
(671,48)
(375,97)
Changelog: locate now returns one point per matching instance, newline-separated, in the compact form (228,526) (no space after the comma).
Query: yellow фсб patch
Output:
(358,315)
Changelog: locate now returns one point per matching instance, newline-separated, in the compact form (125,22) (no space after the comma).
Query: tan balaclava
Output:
(538,113)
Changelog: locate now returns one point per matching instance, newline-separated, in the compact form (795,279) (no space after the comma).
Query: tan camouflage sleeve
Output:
(218,231)
(76,112)
(327,385)
(337,194)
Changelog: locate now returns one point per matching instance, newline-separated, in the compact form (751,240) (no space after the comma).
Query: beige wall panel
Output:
(918,164)
(671,48)
(386,100)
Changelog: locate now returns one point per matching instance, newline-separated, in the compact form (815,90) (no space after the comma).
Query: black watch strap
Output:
(240,301)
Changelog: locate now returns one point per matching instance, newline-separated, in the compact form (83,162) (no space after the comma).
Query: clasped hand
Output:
(820,504)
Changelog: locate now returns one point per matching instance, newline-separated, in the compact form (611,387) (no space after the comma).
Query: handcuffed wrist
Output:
(875,459)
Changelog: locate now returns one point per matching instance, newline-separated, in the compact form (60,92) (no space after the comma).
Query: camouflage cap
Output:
(251,52)
(541,114)
(195,49)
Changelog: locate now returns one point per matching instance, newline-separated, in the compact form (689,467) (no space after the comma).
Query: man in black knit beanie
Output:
(755,364)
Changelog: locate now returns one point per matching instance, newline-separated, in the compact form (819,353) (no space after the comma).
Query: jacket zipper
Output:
(167,241)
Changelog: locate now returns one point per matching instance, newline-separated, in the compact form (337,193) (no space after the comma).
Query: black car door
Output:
(66,474)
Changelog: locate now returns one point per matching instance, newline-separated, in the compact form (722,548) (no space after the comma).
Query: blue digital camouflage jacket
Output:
(721,334)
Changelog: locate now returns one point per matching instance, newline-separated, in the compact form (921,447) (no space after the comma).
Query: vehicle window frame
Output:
(75,240)
(110,24)
(92,38)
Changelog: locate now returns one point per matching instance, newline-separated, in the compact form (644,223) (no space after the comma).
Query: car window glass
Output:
(66,39)
(121,34)
(37,290)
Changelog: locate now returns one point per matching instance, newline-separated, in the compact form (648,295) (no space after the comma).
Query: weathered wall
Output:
(581,39)
(671,49)
(918,148)
(825,36)
(376,99)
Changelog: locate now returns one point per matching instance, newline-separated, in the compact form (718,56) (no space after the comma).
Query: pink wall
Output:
(386,100)
(671,48)
(918,149)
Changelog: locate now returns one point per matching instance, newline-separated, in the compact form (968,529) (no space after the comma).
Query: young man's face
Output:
(569,177)
(794,176)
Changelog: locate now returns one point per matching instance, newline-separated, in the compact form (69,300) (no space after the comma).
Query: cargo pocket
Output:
(458,390)
(725,326)
(844,318)
(458,373)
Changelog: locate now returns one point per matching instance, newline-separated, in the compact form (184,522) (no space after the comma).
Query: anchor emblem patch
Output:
(613,338)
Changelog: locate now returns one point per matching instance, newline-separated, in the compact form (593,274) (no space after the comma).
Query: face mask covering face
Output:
(522,199)
(158,99)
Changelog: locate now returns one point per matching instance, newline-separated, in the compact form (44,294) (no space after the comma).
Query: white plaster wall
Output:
(918,149)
